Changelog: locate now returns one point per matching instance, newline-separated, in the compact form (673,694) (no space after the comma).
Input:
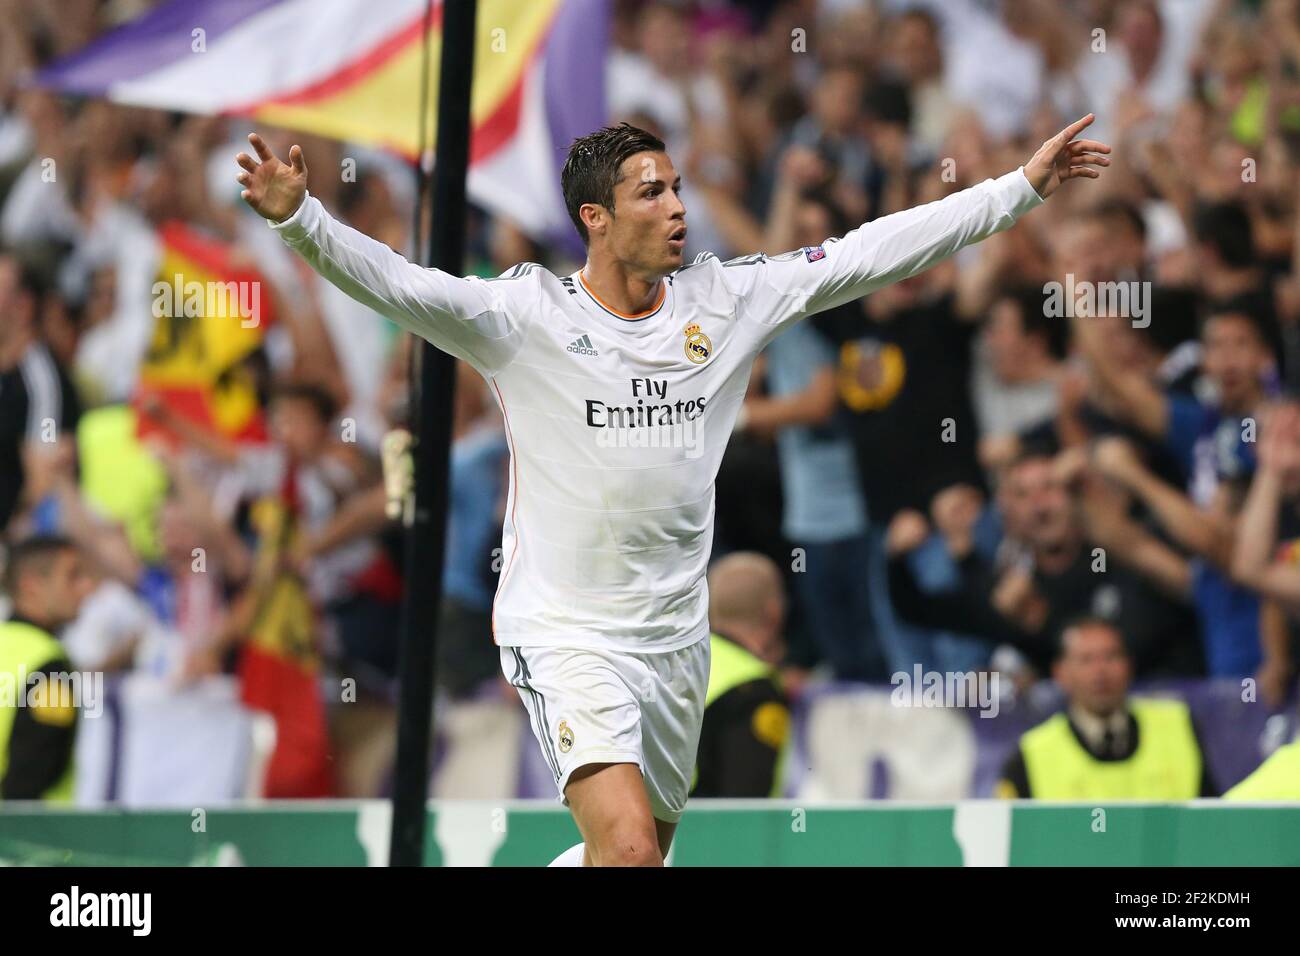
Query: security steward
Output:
(1277,778)
(46,582)
(746,715)
(1106,745)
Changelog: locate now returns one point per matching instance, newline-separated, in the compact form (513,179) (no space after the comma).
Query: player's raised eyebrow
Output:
(658,181)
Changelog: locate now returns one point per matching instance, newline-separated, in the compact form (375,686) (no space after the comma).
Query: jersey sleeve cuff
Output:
(1018,195)
(300,223)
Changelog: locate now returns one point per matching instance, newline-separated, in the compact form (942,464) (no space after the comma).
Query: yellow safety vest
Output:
(1165,766)
(121,476)
(731,665)
(1277,778)
(24,650)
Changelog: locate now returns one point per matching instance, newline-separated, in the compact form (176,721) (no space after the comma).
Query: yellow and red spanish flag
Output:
(211,312)
(351,70)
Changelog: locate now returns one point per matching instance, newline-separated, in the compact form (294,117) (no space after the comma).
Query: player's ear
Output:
(594,216)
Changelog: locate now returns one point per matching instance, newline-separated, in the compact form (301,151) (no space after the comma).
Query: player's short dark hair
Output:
(594,167)
(1225,228)
(319,398)
(32,555)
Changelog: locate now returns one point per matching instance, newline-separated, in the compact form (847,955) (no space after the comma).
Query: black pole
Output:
(427,534)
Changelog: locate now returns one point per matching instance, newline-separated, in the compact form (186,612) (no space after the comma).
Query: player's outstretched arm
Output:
(457,315)
(903,244)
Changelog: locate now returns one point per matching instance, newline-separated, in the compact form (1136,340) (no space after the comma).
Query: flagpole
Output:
(432,406)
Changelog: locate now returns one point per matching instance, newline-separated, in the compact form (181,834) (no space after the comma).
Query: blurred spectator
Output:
(1229,271)
(467,654)
(46,581)
(905,382)
(38,405)
(915,56)
(1017,373)
(1229,614)
(1276,779)
(832,131)
(1267,546)
(654,78)
(1050,574)
(823,510)
(1145,74)
(746,718)
(1210,439)
(989,65)
(1106,745)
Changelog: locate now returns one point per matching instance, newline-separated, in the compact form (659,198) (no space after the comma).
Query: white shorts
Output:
(589,705)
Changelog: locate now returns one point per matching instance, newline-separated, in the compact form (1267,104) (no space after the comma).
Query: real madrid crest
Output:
(566,737)
(698,346)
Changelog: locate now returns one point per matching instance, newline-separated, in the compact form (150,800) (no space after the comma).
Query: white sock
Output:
(570,857)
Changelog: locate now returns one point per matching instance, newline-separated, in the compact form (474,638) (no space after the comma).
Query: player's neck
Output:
(616,288)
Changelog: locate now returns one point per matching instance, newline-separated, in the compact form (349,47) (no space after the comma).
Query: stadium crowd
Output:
(1092,415)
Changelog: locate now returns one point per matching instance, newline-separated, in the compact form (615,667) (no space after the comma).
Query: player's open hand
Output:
(1062,157)
(274,189)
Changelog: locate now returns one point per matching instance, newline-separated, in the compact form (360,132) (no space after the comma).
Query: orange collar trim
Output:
(663,292)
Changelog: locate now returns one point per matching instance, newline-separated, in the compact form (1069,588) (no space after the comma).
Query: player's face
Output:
(647,230)
(1094,671)
(1234,359)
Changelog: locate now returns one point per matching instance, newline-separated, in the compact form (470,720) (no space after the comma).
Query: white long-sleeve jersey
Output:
(617,423)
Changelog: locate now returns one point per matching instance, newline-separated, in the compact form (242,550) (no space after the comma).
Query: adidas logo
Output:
(582,346)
